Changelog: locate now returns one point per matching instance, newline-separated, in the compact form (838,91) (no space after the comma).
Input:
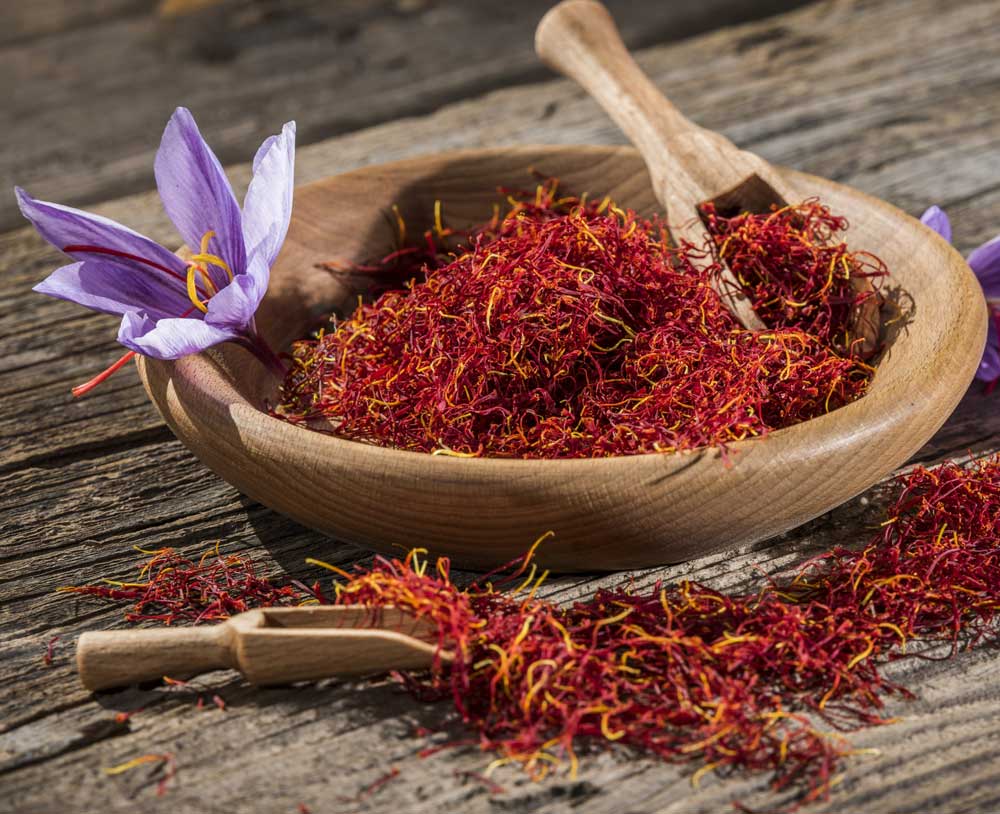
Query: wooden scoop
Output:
(688,165)
(269,646)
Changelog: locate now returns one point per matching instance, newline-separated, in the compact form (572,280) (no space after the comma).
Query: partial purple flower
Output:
(172,307)
(985,264)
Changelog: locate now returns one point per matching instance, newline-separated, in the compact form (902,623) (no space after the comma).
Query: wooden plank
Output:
(21,22)
(957,708)
(874,135)
(98,92)
(77,494)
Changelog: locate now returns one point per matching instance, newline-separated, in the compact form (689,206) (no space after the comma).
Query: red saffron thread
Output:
(175,589)
(570,328)
(104,375)
(372,787)
(765,681)
(50,650)
(86,387)
(81,248)
(491,787)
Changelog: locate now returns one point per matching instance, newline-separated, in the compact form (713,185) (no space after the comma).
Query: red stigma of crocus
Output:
(86,387)
(125,255)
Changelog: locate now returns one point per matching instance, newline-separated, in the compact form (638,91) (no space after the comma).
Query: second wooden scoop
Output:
(689,165)
(269,646)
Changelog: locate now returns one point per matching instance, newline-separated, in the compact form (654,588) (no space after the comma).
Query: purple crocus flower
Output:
(172,307)
(985,263)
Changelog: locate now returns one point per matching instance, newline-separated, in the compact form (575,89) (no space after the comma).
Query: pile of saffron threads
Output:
(569,328)
(689,673)
(794,271)
(763,681)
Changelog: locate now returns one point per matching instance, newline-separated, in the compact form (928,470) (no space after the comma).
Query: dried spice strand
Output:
(177,590)
(165,764)
(568,328)
(50,650)
(689,673)
(794,269)
(762,681)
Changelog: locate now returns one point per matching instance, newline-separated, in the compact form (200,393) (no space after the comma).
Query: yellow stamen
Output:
(199,266)
(212,260)
(438,225)
(131,764)
(192,287)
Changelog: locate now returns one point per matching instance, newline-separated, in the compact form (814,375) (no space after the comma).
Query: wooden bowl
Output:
(606,513)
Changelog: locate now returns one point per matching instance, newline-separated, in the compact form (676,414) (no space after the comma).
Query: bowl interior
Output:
(349,220)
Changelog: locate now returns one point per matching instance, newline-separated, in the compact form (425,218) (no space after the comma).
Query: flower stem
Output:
(258,346)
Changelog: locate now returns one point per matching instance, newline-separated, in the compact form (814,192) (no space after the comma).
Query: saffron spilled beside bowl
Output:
(605,513)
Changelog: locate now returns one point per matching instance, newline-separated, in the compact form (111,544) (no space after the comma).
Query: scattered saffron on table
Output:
(50,650)
(372,788)
(167,768)
(173,589)
(571,328)
(491,786)
(763,681)
(193,687)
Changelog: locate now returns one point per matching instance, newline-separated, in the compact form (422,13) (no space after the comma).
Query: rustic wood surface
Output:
(900,98)
(88,86)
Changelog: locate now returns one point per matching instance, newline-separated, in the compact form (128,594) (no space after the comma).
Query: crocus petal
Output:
(267,207)
(156,282)
(233,307)
(265,148)
(989,367)
(985,262)
(169,338)
(260,271)
(196,193)
(936,218)
(110,289)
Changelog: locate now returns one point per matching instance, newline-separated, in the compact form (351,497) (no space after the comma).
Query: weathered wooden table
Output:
(900,98)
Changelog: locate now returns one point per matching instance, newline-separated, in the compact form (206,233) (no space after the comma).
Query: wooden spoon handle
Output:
(116,658)
(687,163)
(579,39)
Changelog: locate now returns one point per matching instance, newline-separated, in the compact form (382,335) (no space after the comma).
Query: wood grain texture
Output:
(898,99)
(98,80)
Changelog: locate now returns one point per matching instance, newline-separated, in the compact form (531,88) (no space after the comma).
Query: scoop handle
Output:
(579,39)
(117,658)
(688,163)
